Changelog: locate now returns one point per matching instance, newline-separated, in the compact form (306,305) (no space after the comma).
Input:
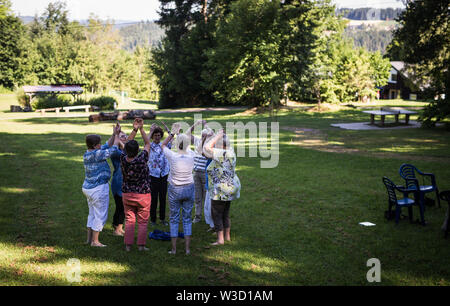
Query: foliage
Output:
(50,101)
(248,61)
(371,39)
(59,51)
(22,98)
(259,52)
(423,42)
(104,102)
(12,34)
(143,34)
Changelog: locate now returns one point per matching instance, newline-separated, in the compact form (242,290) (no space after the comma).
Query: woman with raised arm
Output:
(181,186)
(223,184)
(200,162)
(136,187)
(116,185)
(95,186)
(158,166)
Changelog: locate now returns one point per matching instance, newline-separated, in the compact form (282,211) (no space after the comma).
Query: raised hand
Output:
(176,128)
(153,127)
(138,123)
(118,128)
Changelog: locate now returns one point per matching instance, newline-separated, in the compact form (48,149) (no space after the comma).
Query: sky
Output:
(136,10)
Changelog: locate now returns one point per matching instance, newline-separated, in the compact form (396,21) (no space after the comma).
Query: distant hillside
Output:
(364,13)
(374,35)
(143,33)
(134,33)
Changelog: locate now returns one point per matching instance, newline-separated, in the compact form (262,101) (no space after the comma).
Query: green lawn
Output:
(296,224)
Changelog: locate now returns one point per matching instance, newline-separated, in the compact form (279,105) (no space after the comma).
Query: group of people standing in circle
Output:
(205,177)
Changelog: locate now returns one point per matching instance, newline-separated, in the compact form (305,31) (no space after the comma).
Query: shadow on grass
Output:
(144,101)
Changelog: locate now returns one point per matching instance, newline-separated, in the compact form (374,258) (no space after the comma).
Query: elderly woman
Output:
(116,186)
(181,186)
(223,184)
(200,162)
(159,169)
(136,187)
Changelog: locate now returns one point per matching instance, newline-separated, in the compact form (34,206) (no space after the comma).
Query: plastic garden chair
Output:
(408,173)
(398,203)
(445,196)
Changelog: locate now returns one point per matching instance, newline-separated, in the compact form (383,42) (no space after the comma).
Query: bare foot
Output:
(217,243)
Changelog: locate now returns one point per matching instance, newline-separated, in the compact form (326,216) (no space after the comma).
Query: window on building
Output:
(393,77)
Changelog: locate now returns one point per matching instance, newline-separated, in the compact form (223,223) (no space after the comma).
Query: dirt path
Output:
(316,139)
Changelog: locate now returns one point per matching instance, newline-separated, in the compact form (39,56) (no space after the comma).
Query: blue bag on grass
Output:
(160,235)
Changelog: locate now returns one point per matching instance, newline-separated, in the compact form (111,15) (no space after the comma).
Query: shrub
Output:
(22,98)
(50,101)
(103,102)
(4,90)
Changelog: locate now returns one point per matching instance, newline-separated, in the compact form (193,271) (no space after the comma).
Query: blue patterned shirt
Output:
(96,166)
(158,165)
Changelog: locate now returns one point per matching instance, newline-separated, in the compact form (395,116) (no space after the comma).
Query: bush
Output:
(22,98)
(4,90)
(103,102)
(50,101)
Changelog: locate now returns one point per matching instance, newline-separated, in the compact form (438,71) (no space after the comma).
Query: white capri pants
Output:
(98,202)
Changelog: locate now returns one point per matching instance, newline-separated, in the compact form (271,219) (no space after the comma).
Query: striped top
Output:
(199,159)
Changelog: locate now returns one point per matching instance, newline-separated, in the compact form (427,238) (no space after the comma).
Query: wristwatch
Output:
(172,134)
(135,129)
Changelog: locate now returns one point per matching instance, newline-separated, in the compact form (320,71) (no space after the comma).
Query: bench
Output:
(383,112)
(54,109)
(85,107)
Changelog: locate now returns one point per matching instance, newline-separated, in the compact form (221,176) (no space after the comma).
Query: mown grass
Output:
(296,224)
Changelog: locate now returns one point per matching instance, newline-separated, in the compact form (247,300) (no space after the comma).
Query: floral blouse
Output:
(223,183)
(135,174)
(158,164)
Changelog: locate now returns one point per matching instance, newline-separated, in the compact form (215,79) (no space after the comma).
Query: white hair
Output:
(207,133)
(182,142)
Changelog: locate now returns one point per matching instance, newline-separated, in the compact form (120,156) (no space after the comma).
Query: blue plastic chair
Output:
(398,203)
(408,173)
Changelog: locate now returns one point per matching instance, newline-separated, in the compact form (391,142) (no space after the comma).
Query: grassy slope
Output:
(296,224)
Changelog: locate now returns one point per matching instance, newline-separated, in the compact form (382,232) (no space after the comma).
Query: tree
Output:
(422,41)
(12,33)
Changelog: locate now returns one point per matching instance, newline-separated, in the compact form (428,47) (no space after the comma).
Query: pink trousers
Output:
(136,207)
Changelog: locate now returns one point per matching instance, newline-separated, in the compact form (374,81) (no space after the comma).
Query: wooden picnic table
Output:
(383,112)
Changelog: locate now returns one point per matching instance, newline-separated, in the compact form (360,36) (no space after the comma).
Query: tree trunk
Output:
(205,6)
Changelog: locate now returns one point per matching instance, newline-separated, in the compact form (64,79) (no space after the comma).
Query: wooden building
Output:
(400,85)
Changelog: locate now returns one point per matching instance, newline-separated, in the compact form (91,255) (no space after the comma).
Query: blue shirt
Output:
(96,167)
(158,165)
(116,182)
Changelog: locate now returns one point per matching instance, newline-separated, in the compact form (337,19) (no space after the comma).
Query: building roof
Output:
(53,89)
(400,67)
